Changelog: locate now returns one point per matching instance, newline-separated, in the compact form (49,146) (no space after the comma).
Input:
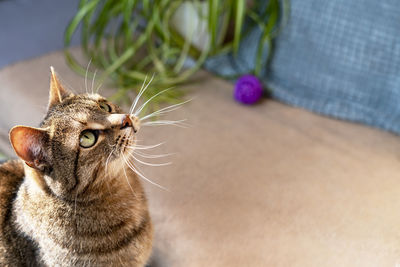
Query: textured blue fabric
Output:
(339,58)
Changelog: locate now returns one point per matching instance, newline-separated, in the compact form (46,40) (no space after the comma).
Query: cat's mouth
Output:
(128,125)
(125,141)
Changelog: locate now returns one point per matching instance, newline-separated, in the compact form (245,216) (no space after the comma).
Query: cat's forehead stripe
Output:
(76,112)
(95,126)
(97,97)
(81,117)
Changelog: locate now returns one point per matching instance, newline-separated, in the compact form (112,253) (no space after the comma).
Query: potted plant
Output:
(129,39)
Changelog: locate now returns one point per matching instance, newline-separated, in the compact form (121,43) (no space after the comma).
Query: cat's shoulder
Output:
(11,176)
(11,242)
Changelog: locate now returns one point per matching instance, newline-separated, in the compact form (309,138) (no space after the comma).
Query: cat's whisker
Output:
(144,155)
(158,113)
(166,110)
(87,69)
(152,77)
(94,77)
(130,165)
(141,91)
(139,140)
(139,148)
(111,145)
(126,176)
(151,98)
(98,88)
(137,96)
(107,161)
(106,170)
(151,164)
(148,163)
(146,146)
(178,123)
(169,124)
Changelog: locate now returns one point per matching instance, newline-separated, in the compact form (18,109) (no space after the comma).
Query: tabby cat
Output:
(70,199)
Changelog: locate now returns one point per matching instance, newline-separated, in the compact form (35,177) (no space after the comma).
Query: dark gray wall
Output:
(30,28)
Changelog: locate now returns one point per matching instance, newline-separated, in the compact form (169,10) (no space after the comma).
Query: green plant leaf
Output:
(240,11)
(130,39)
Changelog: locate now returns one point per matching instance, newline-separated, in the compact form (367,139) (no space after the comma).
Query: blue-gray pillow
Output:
(339,58)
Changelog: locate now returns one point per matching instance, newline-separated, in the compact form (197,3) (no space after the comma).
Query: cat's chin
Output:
(122,157)
(125,141)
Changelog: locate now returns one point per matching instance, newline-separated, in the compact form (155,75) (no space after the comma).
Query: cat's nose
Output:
(123,121)
(126,122)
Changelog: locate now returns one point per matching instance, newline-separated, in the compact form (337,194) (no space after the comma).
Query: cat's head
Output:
(78,137)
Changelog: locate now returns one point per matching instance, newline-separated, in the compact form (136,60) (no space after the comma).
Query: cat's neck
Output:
(110,191)
(57,223)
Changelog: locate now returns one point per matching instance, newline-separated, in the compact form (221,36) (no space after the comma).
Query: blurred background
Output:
(33,28)
(291,157)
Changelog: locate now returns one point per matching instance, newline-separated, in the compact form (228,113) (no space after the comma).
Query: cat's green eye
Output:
(88,138)
(104,106)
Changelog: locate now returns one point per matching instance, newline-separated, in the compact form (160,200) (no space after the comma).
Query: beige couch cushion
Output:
(265,185)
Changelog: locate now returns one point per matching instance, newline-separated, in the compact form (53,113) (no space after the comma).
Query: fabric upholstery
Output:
(265,185)
(339,58)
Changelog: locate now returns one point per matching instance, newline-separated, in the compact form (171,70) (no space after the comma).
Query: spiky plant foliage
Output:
(129,40)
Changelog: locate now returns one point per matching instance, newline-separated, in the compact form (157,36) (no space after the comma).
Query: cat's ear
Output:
(29,144)
(57,91)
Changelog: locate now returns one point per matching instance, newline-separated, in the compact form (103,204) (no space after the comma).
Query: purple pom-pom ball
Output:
(248,89)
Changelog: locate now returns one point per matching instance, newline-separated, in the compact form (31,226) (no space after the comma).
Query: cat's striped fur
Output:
(65,205)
